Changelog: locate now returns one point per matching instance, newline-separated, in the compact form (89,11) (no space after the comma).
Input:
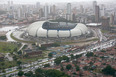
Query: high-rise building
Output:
(69,8)
(112,19)
(49,10)
(74,10)
(41,13)
(38,5)
(46,11)
(97,14)
(68,15)
(94,5)
(73,17)
(53,11)
(105,22)
(102,10)
(10,9)
(81,9)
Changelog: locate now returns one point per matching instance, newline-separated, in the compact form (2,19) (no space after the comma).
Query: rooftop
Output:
(58,25)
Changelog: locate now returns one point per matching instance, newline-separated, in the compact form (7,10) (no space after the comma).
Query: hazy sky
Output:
(47,1)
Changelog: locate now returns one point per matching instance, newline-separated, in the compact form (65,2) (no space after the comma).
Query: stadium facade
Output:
(48,29)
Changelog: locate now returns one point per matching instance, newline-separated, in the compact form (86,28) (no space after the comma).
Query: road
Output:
(98,34)
(9,39)
(34,65)
(23,44)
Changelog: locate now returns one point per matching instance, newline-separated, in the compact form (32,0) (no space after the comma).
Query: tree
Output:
(80,74)
(42,48)
(108,70)
(72,56)
(3,38)
(15,50)
(29,74)
(39,72)
(15,57)
(62,69)
(55,73)
(85,67)
(78,56)
(19,67)
(68,67)
(103,51)
(26,55)
(65,58)
(3,71)
(20,73)
(50,55)
(19,52)
(58,60)
(77,68)
(47,65)
(19,63)
(89,54)
(55,44)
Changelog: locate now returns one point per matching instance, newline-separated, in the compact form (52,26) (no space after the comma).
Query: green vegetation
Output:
(108,70)
(78,56)
(103,51)
(6,47)
(19,63)
(7,64)
(47,65)
(3,38)
(31,59)
(43,73)
(65,43)
(86,67)
(95,39)
(77,68)
(20,73)
(50,55)
(72,56)
(90,54)
(104,31)
(62,69)
(29,74)
(59,59)
(68,67)
(55,44)
(25,46)
(20,40)
(49,73)
(42,48)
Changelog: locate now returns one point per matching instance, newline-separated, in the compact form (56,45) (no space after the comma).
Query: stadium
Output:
(47,29)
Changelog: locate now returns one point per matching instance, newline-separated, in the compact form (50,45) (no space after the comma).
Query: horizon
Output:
(49,1)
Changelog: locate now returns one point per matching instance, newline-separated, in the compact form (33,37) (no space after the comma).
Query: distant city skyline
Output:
(47,1)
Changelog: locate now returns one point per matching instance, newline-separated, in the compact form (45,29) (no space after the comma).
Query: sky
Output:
(47,1)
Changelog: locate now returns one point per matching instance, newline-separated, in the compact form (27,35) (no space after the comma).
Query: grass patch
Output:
(31,59)
(34,58)
(7,47)
(104,31)
(20,40)
(95,39)
(7,64)
(65,43)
